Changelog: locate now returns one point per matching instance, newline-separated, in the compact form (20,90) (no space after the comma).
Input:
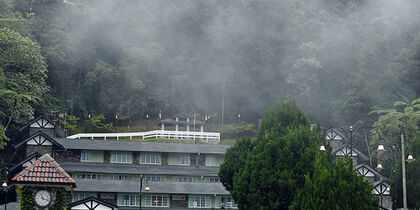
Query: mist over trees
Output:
(336,59)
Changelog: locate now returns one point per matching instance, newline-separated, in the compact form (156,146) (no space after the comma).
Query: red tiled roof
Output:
(44,170)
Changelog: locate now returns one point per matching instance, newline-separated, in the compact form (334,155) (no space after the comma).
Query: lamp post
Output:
(147,189)
(409,159)
(4,186)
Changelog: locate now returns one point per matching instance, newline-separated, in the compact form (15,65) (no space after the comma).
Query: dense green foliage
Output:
(27,200)
(280,119)
(235,159)
(283,168)
(60,202)
(265,173)
(403,117)
(335,186)
(337,59)
(412,175)
(23,75)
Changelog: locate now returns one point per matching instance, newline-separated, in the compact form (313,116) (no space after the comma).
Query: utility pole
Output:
(403,172)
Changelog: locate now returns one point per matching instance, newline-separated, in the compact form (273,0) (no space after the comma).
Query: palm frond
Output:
(399,104)
(415,102)
(381,111)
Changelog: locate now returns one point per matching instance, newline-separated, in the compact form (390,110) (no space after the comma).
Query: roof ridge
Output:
(44,172)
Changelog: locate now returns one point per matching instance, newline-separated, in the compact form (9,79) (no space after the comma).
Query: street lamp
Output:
(4,186)
(322,148)
(409,159)
(147,189)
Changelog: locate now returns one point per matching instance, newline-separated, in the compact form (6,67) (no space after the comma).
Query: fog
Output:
(337,59)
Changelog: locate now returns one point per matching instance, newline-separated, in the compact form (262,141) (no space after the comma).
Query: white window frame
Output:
(121,157)
(186,179)
(227,201)
(163,201)
(89,176)
(85,156)
(210,160)
(128,200)
(154,178)
(198,201)
(120,177)
(80,196)
(151,158)
(185,159)
(212,179)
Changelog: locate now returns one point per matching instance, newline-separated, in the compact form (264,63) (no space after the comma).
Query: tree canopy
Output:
(23,74)
(335,186)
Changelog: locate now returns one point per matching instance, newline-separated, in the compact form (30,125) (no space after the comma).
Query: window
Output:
(178,197)
(212,179)
(157,200)
(120,177)
(155,178)
(128,200)
(85,156)
(186,179)
(81,196)
(199,201)
(227,202)
(121,157)
(185,159)
(210,160)
(150,158)
(89,176)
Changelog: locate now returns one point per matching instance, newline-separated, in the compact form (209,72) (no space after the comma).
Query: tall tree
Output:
(23,73)
(335,186)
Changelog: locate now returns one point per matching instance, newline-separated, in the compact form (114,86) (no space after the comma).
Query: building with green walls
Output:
(169,175)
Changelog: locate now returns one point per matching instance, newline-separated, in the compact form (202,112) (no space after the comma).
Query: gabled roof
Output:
(44,170)
(35,135)
(35,155)
(374,171)
(358,153)
(46,119)
(92,203)
(182,114)
(380,188)
(334,134)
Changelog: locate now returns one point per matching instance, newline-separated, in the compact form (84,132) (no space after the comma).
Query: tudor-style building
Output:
(178,175)
(340,148)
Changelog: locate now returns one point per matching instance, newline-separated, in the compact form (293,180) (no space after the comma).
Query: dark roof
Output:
(36,119)
(362,156)
(34,155)
(115,145)
(75,167)
(17,146)
(203,188)
(374,171)
(91,202)
(44,170)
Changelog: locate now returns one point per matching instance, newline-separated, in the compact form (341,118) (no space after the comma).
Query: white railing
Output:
(206,136)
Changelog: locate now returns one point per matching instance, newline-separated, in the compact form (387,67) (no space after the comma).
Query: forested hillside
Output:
(338,59)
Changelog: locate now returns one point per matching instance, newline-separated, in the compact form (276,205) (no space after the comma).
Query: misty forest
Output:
(107,65)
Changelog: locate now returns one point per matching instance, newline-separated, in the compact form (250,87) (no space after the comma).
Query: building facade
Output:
(177,175)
